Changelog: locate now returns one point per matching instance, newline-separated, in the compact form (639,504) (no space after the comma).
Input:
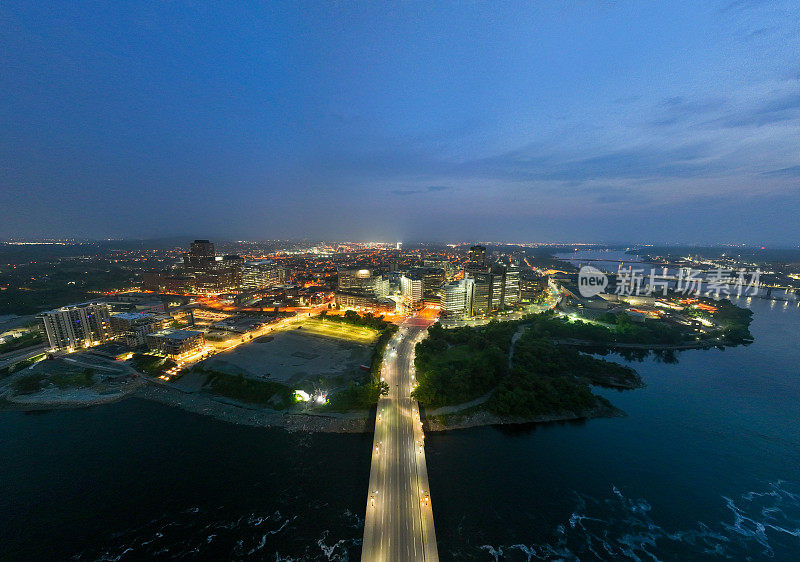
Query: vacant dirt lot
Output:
(292,356)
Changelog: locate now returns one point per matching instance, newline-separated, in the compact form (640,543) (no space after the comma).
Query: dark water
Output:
(705,466)
(138,479)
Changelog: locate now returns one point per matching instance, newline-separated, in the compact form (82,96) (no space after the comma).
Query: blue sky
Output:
(530,121)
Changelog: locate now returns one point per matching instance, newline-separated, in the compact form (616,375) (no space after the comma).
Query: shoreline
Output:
(243,414)
(50,399)
(483,418)
(222,409)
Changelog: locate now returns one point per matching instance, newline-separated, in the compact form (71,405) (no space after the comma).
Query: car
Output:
(425,499)
(372,500)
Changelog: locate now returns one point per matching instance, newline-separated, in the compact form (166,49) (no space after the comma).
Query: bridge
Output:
(399,521)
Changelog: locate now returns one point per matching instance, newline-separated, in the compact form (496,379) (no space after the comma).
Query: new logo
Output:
(591,281)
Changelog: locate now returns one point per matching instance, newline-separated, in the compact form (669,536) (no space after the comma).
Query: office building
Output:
(76,326)
(432,279)
(260,274)
(511,291)
(412,287)
(482,293)
(132,327)
(360,285)
(212,274)
(531,286)
(457,298)
(496,288)
(175,344)
(444,265)
(364,302)
(477,256)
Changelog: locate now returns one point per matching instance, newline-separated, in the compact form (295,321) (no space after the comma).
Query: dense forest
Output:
(540,378)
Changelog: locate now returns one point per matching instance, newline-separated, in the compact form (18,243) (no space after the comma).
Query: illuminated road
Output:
(399,521)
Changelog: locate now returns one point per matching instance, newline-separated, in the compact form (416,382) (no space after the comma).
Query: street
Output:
(399,520)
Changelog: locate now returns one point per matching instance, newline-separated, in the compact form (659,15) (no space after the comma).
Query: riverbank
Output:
(57,398)
(479,417)
(243,414)
(461,416)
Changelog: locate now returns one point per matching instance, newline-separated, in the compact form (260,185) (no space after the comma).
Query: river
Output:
(705,466)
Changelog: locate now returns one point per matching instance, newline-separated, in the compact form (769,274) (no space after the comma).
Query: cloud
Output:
(791,171)
(611,194)
(782,107)
(643,162)
(743,5)
(678,109)
(427,189)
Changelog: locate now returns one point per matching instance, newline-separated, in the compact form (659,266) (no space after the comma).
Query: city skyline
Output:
(400,281)
(595,122)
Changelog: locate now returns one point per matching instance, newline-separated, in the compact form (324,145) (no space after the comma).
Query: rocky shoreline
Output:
(242,414)
(62,399)
(480,417)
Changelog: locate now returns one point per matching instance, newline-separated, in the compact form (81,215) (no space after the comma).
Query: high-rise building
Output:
(132,327)
(76,326)
(482,293)
(444,265)
(212,274)
(411,287)
(511,291)
(432,277)
(497,288)
(457,298)
(477,255)
(233,264)
(362,281)
(260,274)
(201,253)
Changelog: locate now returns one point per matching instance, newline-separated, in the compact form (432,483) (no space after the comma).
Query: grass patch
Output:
(82,379)
(28,384)
(20,365)
(366,393)
(340,330)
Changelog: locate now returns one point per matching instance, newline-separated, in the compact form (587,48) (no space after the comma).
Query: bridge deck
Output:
(399,521)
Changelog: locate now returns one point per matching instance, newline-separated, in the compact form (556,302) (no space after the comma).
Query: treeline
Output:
(620,329)
(459,365)
(546,379)
(352,317)
(358,396)
(58,286)
(247,390)
(734,321)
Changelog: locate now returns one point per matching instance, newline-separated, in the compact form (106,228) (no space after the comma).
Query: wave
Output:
(762,524)
(203,534)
